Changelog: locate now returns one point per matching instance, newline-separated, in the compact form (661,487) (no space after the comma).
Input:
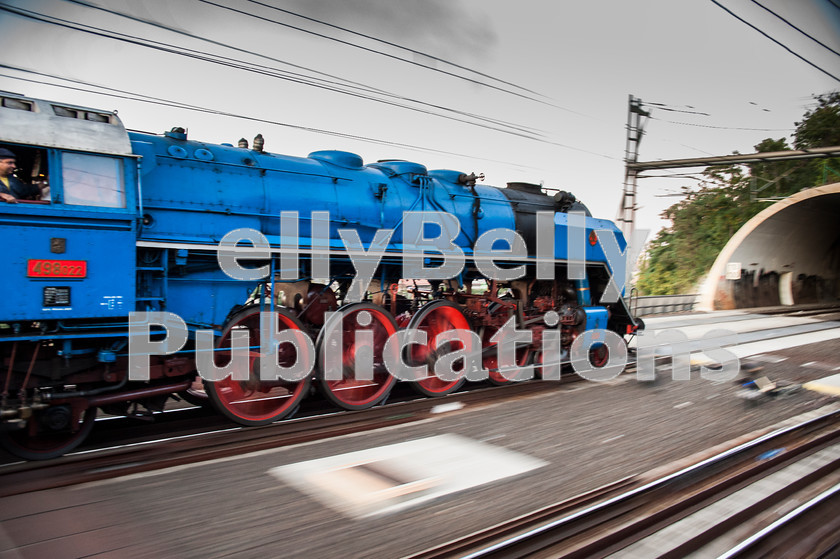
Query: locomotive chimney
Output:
(258,143)
(243,143)
(177,133)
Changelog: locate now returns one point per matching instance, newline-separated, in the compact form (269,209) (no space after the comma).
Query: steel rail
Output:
(782,522)
(88,466)
(509,539)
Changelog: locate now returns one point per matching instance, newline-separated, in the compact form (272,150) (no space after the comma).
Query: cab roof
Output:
(60,125)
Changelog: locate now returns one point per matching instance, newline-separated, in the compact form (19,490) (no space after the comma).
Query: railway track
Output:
(772,494)
(799,310)
(196,445)
(184,423)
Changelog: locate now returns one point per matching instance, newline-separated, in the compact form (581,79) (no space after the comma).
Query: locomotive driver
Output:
(11,188)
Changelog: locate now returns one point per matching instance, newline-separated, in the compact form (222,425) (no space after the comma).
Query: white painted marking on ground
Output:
(819,365)
(741,323)
(683,405)
(254,454)
(664,321)
(450,406)
(611,439)
(776,344)
(768,358)
(751,325)
(390,478)
(727,333)
(828,385)
(808,364)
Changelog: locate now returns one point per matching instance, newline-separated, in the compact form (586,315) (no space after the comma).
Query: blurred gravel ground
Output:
(590,434)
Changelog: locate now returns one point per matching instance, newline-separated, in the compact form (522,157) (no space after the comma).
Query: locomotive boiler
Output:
(132,228)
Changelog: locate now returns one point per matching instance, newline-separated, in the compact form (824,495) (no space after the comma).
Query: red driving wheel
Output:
(253,401)
(435,318)
(364,329)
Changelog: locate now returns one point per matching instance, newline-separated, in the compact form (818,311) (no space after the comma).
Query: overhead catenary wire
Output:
(664,107)
(392,44)
(388,55)
(159,101)
(335,80)
(172,49)
(177,104)
(489,123)
(122,94)
(328,37)
(722,127)
(763,7)
(211,41)
(695,176)
(413,62)
(791,51)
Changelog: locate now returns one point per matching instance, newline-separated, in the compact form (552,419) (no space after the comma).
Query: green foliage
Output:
(702,223)
(820,127)
(707,217)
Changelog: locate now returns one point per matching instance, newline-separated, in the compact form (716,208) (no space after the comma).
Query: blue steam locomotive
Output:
(129,226)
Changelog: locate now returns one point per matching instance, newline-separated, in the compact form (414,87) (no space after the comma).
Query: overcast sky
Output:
(578,62)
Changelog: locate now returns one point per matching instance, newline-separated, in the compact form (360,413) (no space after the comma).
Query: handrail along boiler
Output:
(132,221)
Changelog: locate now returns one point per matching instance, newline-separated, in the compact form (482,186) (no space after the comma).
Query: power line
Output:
(393,56)
(762,6)
(664,107)
(122,94)
(674,142)
(695,176)
(492,124)
(226,61)
(205,39)
(359,85)
(158,101)
(799,56)
(371,37)
(723,127)
(392,44)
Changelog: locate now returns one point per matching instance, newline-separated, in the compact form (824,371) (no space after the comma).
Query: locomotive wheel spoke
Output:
(599,355)
(49,433)
(360,387)
(538,361)
(434,319)
(490,359)
(253,401)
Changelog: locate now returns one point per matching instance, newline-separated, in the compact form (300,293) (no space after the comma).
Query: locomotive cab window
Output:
(93,180)
(30,176)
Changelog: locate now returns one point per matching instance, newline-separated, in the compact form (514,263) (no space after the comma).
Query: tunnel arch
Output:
(787,254)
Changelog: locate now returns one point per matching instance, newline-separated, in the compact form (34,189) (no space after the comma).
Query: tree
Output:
(702,222)
(820,127)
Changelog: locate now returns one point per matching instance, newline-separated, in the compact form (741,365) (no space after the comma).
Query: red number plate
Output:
(56,268)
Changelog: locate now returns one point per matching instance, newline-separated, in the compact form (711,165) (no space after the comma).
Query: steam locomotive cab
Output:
(68,262)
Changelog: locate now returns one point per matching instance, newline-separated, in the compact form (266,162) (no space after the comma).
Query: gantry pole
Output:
(636,120)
